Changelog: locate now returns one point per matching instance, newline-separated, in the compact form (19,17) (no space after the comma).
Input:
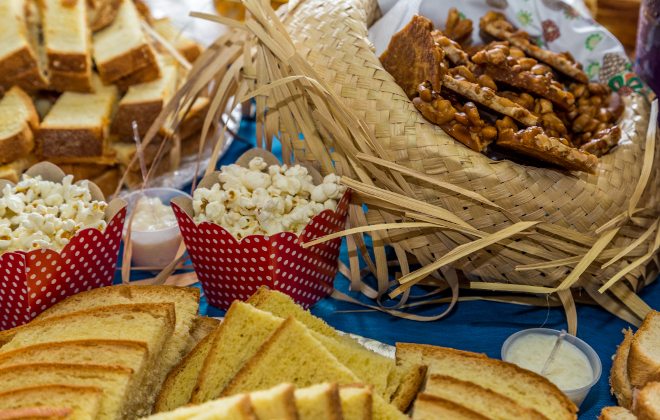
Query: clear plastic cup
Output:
(576,395)
(154,248)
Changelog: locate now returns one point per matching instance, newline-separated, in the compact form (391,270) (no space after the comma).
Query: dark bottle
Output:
(647,62)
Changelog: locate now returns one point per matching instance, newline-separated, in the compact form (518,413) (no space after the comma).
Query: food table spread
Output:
(362,209)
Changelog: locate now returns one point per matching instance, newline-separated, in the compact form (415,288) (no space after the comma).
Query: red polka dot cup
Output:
(231,269)
(33,281)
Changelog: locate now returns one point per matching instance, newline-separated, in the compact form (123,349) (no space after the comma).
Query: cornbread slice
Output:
(478,399)
(19,57)
(186,46)
(13,170)
(647,403)
(202,326)
(644,357)
(319,402)
(122,47)
(178,387)
(619,380)
(142,104)
(401,382)
(35,413)
(101,13)
(18,118)
(237,407)
(429,407)
(616,413)
(526,388)
(67,42)
(310,364)
(185,300)
(356,402)
(84,402)
(275,403)
(113,381)
(77,124)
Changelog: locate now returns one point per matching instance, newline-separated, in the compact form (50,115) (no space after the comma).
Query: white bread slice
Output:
(84,402)
(77,124)
(18,118)
(398,383)
(101,13)
(356,402)
(185,300)
(647,403)
(616,413)
(275,403)
(180,382)
(310,364)
(67,42)
(13,170)
(113,381)
(186,46)
(123,48)
(478,399)
(36,413)
(19,58)
(319,402)
(644,357)
(143,103)
(429,407)
(619,380)
(501,377)
(237,407)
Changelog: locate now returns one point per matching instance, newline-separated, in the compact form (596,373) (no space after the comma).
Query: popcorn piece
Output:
(43,214)
(265,200)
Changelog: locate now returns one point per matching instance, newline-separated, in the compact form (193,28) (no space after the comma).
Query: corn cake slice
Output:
(275,403)
(237,407)
(319,402)
(84,402)
(356,402)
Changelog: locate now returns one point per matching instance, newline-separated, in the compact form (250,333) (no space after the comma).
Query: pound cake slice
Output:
(237,407)
(101,13)
(616,413)
(186,46)
(77,124)
(356,402)
(122,47)
(113,381)
(84,402)
(319,402)
(644,357)
(619,380)
(19,57)
(478,399)
(647,403)
(184,299)
(310,363)
(36,413)
(400,383)
(67,42)
(275,403)
(18,119)
(429,407)
(526,388)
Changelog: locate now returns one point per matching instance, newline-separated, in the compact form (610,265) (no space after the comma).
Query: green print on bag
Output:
(592,41)
(524,17)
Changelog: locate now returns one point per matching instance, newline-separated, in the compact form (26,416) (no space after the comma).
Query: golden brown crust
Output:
(142,57)
(647,403)
(68,62)
(62,81)
(642,367)
(143,75)
(73,142)
(412,57)
(35,413)
(535,143)
(101,13)
(619,380)
(143,113)
(17,146)
(411,383)
(616,413)
(21,68)
(442,408)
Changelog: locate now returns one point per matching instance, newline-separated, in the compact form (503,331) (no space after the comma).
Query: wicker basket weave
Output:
(506,226)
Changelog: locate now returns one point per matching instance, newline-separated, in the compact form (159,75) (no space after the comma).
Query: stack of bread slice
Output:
(325,401)
(270,340)
(103,353)
(635,374)
(466,385)
(93,66)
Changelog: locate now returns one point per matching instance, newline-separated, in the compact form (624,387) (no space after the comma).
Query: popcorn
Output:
(264,200)
(42,214)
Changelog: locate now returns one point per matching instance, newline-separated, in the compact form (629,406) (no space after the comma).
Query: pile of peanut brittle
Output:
(508,92)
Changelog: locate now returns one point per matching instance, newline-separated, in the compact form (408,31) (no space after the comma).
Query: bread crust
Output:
(129,62)
(409,387)
(646,404)
(16,146)
(68,62)
(616,413)
(71,141)
(641,367)
(16,63)
(101,13)
(144,113)
(63,81)
(619,381)
(458,411)
(143,75)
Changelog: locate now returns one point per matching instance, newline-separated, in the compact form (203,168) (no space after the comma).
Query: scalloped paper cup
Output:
(33,281)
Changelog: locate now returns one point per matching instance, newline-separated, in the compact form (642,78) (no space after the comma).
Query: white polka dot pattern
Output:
(31,282)
(230,270)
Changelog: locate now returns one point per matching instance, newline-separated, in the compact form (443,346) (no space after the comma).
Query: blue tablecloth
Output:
(480,326)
